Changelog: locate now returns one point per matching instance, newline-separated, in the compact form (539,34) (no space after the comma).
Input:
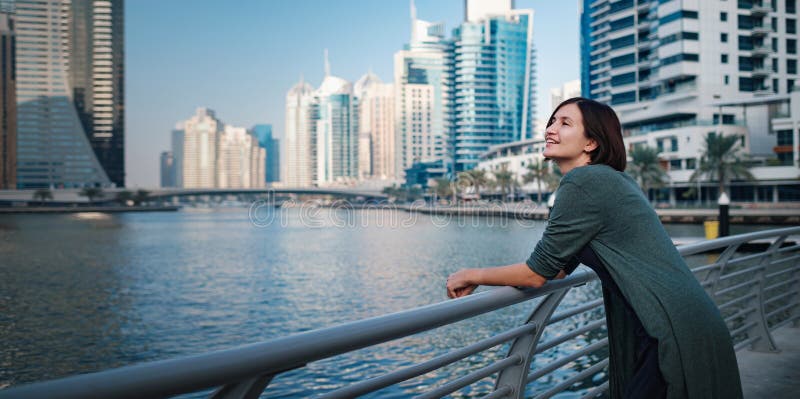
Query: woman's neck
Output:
(566,165)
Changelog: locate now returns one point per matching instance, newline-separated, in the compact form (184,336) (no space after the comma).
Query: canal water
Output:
(90,291)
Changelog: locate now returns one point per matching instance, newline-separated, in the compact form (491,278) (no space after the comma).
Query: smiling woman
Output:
(666,336)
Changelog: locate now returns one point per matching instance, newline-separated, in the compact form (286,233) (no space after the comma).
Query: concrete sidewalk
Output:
(773,375)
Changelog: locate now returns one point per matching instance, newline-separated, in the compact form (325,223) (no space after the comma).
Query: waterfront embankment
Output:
(78,209)
(671,215)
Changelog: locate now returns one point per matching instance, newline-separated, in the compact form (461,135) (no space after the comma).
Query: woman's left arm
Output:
(465,281)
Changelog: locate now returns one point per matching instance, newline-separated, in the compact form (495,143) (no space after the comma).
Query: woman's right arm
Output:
(464,282)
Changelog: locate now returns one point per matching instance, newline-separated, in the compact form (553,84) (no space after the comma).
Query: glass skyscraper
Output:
(493,80)
(272,146)
(70,86)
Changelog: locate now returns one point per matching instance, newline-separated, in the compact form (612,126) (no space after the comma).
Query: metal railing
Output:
(756,292)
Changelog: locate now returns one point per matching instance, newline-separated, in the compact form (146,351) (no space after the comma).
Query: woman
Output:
(666,336)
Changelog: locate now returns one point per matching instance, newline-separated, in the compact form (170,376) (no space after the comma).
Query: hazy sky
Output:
(240,57)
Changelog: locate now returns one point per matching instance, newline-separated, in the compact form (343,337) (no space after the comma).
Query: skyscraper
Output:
(376,124)
(423,96)
(167,169)
(336,131)
(70,70)
(272,146)
(8,104)
(240,160)
(195,150)
(299,161)
(493,79)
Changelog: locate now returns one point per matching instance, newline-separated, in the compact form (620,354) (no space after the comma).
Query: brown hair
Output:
(600,124)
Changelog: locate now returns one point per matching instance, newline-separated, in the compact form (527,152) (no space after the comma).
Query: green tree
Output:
(442,188)
(539,172)
(475,178)
(91,193)
(721,161)
(141,197)
(505,180)
(42,195)
(645,168)
(123,197)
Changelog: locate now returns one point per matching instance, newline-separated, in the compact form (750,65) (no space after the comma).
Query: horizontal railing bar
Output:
(568,336)
(596,391)
(739,314)
(780,284)
(502,392)
(737,300)
(594,369)
(746,284)
(374,384)
(790,248)
(745,258)
(783,323)
(793,269)
(738,273)
(780,309)
(558,363)
(471,378)
(574,311)
(743,328)
(194,373)
(748,341)
(704,268)
(705,246)
(777,298)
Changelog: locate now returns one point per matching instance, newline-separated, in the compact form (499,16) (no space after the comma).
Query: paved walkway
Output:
(773,375)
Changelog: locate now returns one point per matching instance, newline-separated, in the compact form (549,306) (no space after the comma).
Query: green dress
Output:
(605,209)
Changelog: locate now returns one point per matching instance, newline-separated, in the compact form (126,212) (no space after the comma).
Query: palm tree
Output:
(504,179)
(474,178)
(442,188)
(42,195)
(645,168)
(91,193)
(721,161)
(539,172)
(123,197)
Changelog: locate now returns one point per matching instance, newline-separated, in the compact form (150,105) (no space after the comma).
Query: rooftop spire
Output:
(327,64)
(413,21)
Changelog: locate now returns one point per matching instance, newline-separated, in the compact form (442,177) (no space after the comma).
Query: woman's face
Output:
(565,138)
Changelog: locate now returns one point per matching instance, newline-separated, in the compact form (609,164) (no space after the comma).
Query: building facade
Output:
(376,124)
(70,86)
(423,96)
(272,145)
(677,71)
(195,150)
(493,79)
(240,159)
(299,164)
(336,122)
(8,104)
(167,169)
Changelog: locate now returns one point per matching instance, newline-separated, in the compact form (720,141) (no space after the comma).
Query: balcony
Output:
(761,51)
(762,30)
(761,71)
(760,10)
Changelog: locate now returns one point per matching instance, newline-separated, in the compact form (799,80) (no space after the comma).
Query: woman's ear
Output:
(590,146)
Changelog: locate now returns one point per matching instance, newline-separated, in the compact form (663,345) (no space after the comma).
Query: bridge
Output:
(175,194)
(758,294)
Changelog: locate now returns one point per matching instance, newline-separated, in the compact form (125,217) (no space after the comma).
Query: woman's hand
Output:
(460,283)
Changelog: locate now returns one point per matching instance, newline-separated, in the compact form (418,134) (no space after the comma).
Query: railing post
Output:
(761,329)
(515,377)
(247,389)
(713,275)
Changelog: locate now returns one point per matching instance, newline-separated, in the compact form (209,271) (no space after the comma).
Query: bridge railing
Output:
(756,292)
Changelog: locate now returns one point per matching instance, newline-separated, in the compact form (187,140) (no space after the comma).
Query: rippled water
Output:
(87,292)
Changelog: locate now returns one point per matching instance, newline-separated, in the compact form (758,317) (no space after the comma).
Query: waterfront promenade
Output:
(772,375)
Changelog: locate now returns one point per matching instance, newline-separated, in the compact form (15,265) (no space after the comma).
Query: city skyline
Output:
(170,73)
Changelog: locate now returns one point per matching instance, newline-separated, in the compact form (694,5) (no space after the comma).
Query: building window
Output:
(791,6)
(727,80)
(791,25)
(723,16)
(791,46)
(673,142)
(691,163)
(745,43)
(774,24)
(789,85)
(660,145)
(775,65)
(675,164)
(724,58)
(745,84)
(775,86)
(785,137)
(791,66)
(774,44)
(723,37)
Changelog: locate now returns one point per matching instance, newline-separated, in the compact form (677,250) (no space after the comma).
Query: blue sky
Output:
(240,57)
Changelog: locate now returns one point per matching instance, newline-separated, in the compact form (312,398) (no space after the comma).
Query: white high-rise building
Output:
(376,126)
(336,131)
(678,71)
(566,91)
(299,161)
(240,161)
(195,150)
(423,98)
